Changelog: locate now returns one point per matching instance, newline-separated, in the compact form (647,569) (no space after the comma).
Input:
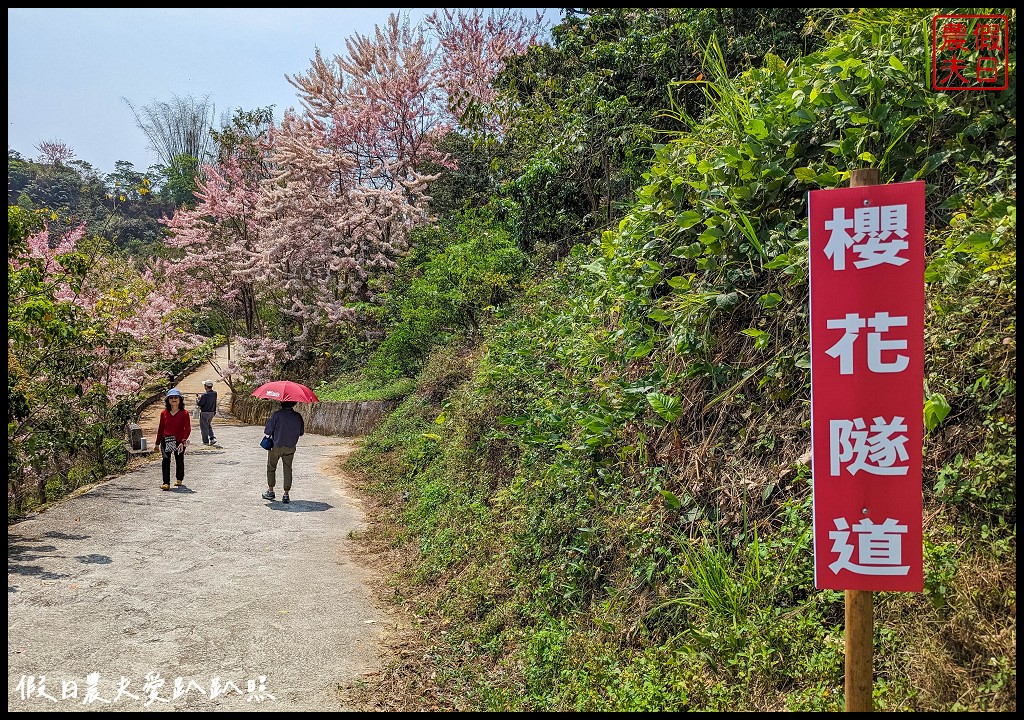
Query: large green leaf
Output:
(668,407)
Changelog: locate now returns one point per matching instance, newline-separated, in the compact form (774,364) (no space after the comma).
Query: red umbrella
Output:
(285,390)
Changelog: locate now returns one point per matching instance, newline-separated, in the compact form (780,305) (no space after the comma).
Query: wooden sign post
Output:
(866,245)
(860,617)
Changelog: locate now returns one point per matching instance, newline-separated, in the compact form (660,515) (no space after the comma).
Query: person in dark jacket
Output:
(171,437)
(284,427)
(207,404)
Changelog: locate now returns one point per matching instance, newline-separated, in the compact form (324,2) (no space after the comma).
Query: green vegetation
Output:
(59,426)
(80,254)
(355,388)
(595,492)
(123,207)
(444,288)
(607,507)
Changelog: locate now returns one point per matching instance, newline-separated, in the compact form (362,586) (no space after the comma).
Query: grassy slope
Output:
(565,547)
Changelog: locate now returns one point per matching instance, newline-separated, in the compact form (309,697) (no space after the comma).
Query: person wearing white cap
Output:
(172,436)
(207,404)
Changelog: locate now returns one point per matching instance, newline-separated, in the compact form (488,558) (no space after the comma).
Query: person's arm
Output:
(160,431)
(187,430)
(268,430)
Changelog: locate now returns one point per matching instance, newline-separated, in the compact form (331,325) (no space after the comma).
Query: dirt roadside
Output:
(207,586)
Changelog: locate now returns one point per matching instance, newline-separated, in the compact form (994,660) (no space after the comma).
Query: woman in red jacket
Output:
(172,436)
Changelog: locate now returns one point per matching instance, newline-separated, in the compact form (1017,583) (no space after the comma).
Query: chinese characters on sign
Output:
(155,689)
(970,52)
(867,385)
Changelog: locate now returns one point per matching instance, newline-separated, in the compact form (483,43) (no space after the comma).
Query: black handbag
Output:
(267,443)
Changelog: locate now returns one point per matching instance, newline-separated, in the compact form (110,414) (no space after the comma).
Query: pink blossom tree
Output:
(131,313)
(224,254)
(55,152)
(349,188)
(85,331)
(224,258)
(474,47)
(319,236)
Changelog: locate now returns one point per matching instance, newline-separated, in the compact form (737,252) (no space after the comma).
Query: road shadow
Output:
(94,559)
(33,571)
(63,535)
(299,506)
(19,548)
(21,551)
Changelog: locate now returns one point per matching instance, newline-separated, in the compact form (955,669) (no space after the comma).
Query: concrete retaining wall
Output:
(346,419)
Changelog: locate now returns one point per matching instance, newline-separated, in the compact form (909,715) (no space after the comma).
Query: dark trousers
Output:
(179,466)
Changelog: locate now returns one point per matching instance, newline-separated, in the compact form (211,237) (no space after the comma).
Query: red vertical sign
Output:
(867,385)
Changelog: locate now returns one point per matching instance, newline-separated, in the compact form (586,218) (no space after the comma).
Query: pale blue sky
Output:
(69,68)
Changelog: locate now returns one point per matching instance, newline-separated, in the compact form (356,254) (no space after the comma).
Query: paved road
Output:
(200,582)
(190,386)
